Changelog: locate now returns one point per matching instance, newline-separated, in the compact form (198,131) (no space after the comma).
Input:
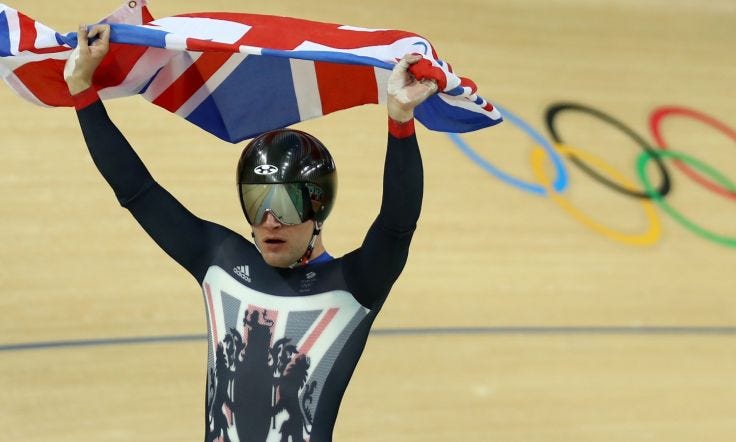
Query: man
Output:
(287,322)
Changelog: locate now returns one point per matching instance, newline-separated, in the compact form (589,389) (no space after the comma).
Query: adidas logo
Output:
(243,272)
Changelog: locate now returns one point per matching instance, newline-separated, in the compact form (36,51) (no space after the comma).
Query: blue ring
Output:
(561,181)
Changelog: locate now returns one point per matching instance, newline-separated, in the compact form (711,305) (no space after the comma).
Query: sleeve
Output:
(371,270)
(188,239)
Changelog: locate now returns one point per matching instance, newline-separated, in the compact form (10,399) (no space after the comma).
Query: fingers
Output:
(408,60)
(82,40)
(102,31)
(405,91)
(413,58)
(86,58)
(99,32)
(431,85)
(427,89)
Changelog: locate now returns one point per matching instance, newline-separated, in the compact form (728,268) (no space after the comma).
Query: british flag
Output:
(236,75)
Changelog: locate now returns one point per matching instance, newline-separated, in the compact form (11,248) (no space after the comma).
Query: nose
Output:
(270,221)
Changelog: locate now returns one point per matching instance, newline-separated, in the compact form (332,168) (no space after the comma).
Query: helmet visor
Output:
(290,203)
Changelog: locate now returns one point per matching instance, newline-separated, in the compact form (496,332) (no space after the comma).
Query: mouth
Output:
(273,245)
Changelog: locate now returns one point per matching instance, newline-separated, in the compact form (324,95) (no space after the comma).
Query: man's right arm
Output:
(186,238)
(183,236)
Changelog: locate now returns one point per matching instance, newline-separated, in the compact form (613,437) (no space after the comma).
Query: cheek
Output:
(305,233)
(257,236)
(306,229)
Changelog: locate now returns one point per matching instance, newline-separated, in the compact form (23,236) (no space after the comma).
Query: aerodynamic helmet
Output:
(288,173)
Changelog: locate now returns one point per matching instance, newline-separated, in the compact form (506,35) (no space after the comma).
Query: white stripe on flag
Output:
(45,37)
(176,42)
(387,53)
(213,83)
(202,28)
(9,64)
(170,73)
(464,103)
(250,50)
(151,61)
(306,88)
(13,29)
(359,29)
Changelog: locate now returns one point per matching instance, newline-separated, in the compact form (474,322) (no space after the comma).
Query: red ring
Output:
(655,120)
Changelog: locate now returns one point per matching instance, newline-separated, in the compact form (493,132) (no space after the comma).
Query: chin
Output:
(278,260)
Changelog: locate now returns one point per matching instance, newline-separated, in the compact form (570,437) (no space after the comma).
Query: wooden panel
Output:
(73,265)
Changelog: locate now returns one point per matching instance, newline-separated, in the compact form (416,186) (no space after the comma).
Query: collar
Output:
(325,257)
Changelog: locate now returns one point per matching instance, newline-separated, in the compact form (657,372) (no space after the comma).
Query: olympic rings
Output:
(551,115)
(560,183)
(721,185)
(649,237)
(722,180)
(655,122)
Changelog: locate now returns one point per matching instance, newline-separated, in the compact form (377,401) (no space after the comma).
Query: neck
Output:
(314,249)
(318,248)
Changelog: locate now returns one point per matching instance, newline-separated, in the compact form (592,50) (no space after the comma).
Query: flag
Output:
(236,75)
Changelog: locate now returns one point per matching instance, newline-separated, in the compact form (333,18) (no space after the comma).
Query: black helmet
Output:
(289,173)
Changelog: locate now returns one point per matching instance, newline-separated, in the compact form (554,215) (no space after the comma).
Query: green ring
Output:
(657,197)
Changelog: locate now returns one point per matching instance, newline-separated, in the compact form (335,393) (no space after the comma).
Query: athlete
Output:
(287,322)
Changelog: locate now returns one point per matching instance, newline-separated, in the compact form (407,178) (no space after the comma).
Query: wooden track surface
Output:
(73,265)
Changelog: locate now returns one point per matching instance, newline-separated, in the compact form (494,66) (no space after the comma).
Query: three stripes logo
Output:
(243,272)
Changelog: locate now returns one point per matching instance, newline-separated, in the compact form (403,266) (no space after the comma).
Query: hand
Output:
(405,92)
(85,59)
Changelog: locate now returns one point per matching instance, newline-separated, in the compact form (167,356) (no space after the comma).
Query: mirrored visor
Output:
(290,203)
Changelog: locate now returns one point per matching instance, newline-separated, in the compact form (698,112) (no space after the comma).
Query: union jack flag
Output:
(236,75)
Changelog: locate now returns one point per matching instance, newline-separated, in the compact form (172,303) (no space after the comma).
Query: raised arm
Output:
(114,157)
(371,270)
(178,232)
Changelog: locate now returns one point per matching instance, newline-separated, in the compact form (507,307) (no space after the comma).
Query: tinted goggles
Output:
(290,203)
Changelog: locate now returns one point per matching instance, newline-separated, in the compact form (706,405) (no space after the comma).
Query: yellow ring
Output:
(649,237)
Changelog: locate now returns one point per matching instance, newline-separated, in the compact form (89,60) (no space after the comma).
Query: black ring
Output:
(551,115)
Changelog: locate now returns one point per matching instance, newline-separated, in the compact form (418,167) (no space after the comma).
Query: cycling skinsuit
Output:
(283,343)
